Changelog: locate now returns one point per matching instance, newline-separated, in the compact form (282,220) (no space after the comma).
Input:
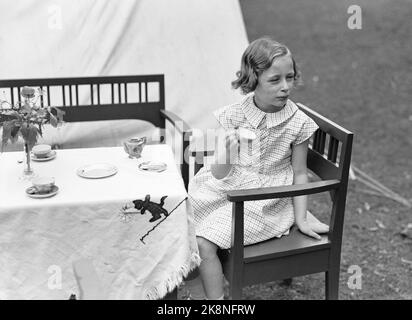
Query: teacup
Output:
(134,147)
(43,184)
(41,150)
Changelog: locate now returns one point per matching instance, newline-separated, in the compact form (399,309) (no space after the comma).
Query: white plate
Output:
(52,193)
(51,156)
(97,170)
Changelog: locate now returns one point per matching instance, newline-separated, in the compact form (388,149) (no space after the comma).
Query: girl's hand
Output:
(312,228)
(232,144)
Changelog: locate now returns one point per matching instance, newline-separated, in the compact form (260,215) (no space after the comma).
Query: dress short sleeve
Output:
(230,116)
(307,129)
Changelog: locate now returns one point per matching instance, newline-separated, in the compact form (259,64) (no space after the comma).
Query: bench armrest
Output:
(177,122)
(282,192)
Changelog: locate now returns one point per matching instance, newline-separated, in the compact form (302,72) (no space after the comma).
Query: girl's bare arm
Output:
(300,176)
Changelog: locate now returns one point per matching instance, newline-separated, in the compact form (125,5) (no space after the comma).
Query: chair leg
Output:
(235,292)
(235,282)
(332,284)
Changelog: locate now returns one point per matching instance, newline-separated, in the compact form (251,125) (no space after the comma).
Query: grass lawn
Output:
(362,80)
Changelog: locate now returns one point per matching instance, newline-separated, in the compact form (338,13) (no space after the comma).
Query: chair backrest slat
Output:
(98,93)
(70,96)
(48,95)
(41,97)
(112,87)
(18,94)
(77,95)
(319,141)
(333,149)
(91,94)
(12,95)
(64,96)
(119,92)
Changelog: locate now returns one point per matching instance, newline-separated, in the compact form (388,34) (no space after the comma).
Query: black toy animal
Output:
(156,209)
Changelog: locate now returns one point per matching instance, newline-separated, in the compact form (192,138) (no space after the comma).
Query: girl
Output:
(277,157)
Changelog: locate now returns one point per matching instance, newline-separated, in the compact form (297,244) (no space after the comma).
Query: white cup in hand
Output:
(246,134)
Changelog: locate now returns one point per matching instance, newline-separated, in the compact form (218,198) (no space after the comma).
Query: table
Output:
(132,258)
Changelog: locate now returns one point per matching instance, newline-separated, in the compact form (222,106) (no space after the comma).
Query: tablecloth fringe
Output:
(174,280)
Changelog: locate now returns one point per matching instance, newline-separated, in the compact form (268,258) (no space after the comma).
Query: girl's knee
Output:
(207,249)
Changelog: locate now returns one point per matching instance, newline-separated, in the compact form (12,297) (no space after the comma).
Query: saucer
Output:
(153,166)
(32,193)
(50,156)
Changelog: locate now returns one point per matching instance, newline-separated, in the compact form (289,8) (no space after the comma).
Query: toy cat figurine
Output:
(155,209)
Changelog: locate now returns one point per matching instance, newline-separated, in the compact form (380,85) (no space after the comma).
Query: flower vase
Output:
(28,171)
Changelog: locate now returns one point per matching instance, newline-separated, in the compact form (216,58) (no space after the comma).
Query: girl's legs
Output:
(194,285)
(210,269)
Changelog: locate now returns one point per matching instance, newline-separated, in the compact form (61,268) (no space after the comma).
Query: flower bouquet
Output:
(25,119)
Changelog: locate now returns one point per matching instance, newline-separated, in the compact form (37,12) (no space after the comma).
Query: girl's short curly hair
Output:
(258,57)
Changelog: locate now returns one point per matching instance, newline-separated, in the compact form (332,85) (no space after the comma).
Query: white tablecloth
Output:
(41,239)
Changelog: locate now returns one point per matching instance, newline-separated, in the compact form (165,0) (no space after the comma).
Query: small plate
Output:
(155,166)
(32,193)
(97,170)
(51,156)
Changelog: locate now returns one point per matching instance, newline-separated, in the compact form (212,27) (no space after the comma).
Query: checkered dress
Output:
(265,162)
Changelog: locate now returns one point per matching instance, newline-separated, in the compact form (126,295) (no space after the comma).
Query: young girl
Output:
(277,157)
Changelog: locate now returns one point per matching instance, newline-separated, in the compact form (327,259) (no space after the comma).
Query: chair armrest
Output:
(177,122)
(282,192)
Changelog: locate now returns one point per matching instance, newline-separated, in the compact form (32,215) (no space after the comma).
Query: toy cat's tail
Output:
(162,200)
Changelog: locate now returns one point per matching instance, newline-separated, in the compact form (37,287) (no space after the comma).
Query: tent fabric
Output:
(196,44)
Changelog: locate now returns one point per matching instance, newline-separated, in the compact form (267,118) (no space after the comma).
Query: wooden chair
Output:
(106,98)
(295,254)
